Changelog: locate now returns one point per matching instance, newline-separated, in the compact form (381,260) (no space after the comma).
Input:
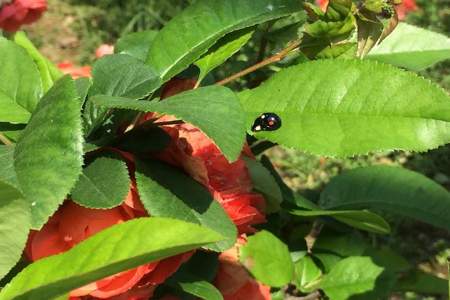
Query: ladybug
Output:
(267,122)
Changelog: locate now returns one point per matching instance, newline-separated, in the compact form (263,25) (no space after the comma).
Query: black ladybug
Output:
(267,122)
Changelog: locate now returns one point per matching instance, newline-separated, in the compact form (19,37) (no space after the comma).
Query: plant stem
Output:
(313,296)
(273,59)
(313,234)
(5,140)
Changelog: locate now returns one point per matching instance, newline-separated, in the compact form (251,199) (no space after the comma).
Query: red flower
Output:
(72,224)
(323,4)
(229,183)
(20,12)
(103,50)
(405,8)
(233,280)
(76,72)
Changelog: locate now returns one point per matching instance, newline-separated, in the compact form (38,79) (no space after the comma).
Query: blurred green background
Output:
(73,29)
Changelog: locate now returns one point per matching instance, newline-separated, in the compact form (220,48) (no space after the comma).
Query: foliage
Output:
(95,167)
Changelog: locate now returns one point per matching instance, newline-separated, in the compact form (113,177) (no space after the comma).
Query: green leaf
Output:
(364,220)
(342,245)
(117,75)
(196,287)
(190,34)
(46,68)
(123,75)
(412,47)
(215,110)
(307,273)
(201,289)
(11,131)
(392,189)
(167,192)
(14,227)
(421,282)
(83,84)
(10,111)
(7,172)
(387,258)
(111,251)
(350,276)
(20,84)
(347,107)
(103,184)
(48,155)
(264,182)
(222,51)
(268,259)
(327,260)
(136,44)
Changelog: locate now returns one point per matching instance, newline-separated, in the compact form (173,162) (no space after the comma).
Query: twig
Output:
(313,234)
(5,140)
(313,296)
(273,59)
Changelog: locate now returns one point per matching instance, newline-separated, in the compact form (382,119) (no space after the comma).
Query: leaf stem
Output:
(273,59)
(5,140)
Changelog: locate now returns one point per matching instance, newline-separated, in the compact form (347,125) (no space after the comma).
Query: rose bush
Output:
(192,150)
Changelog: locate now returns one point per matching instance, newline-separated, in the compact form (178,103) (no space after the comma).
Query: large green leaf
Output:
(215,110)
(412,47)
(167,192)
(350,276)
(347,107)
(136,44)
(7,172)
(48,155)
(268,259)
(20,83)
(190,34)
(111,251)
(12,112)
(103,184)
(123,75)
(223,50)
(395,190)
(49,72)
(14,227)
(117,75)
